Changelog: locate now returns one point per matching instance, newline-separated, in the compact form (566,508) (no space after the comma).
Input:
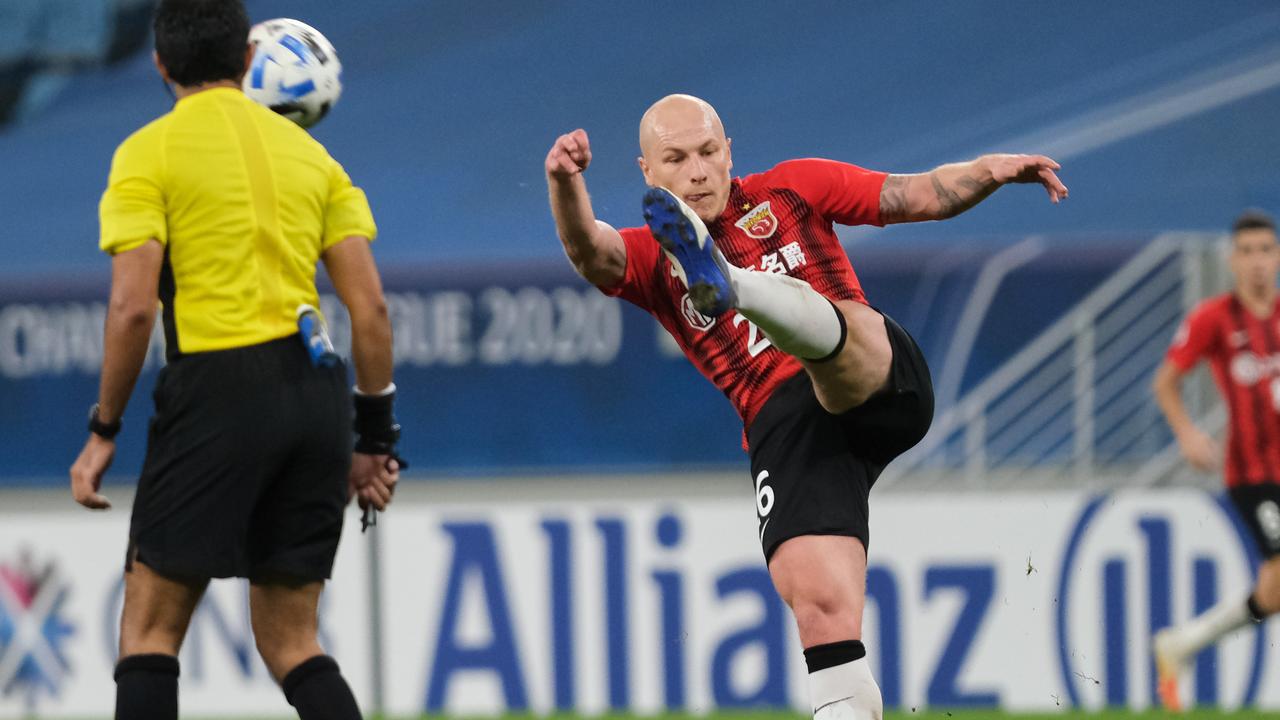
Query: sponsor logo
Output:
(696,320)
(783,260)
(32,630)
(759,222)
(1141,564)
(1248,368)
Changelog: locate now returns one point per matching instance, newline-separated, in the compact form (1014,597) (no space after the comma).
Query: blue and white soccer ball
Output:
(295,70)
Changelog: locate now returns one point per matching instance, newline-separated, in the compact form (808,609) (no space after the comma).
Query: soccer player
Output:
(749,278)
(1239,334)
(219,210)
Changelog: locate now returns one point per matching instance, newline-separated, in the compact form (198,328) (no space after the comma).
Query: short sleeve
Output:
(637,283)
(132,209)
(348,212)
(843,193)
(1194,339)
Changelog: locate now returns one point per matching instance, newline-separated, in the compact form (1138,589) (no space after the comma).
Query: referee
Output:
(219,210)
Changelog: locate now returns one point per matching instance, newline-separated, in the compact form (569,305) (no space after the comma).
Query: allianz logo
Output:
(1136,563)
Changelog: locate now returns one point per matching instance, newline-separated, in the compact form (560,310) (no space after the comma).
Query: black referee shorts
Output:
(813,471)
(246,466)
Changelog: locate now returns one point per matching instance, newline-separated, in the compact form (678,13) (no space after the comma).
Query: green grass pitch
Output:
(921,714)
(934,715)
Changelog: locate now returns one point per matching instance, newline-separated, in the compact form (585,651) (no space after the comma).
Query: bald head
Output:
(683,149)
(674,116)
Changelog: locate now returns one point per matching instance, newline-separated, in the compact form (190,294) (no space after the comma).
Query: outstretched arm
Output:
(595,248)
(951,189)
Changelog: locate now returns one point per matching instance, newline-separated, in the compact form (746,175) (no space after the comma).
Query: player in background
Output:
(1238,333)
(749,278)
(219,210)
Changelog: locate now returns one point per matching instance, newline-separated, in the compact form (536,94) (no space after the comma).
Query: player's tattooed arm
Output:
(943,193)
(893,199)
(958,188)
(952,189)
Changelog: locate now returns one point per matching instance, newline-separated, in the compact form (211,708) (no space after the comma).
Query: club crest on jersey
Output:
(696,320)
(759,222)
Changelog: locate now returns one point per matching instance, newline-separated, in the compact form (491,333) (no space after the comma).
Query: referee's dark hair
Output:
(1253,219)
(202,41)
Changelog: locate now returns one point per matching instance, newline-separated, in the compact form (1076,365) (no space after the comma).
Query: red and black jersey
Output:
(777,221)
(1244,352)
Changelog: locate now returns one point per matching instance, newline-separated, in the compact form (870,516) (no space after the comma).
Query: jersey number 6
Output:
(764,495)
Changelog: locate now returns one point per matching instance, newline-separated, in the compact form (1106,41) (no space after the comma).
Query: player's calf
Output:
(1265,600)
(285,624)
(862,366)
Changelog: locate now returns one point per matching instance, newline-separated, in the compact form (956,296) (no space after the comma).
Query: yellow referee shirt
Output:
(244,202)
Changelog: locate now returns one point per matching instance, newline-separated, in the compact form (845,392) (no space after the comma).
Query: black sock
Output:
(821,657)
(147,687)
(1255,611)
(844,336)
(317,691)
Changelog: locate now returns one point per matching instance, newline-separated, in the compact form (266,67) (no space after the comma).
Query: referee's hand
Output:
(87,472)
(373,480)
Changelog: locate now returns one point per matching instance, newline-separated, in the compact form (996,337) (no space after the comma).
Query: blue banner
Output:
(507,369)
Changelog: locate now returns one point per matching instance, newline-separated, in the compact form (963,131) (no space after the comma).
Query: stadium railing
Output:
(1074,406)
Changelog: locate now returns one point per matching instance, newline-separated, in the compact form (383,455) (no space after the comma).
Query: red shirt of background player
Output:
(1244,353)
(776,221)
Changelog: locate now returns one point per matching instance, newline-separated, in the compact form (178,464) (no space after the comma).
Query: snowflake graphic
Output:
(32,629)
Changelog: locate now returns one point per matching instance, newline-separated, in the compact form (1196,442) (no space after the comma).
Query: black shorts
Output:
(813,471)
(246,466)
(1259,508)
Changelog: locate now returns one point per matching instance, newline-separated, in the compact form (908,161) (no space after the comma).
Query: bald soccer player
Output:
(749,278)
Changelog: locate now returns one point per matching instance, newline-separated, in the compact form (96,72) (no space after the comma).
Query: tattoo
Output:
(949,199)
(893,199)
(952,202)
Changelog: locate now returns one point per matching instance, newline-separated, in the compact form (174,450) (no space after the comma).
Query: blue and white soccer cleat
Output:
(693,254)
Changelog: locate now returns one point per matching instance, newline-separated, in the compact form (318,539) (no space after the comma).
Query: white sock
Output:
(845,692)
(1211,626)
(797,319)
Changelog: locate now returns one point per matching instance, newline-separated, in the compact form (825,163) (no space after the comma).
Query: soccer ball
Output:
(295,70)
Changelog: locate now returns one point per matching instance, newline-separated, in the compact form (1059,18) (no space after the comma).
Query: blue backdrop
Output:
(520,368)
(1162,113)
(1162,116)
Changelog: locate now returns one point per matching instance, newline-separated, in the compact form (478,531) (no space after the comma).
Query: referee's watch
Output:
(106,431)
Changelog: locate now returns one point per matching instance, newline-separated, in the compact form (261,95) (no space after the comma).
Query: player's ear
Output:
(644,168)
(728,151)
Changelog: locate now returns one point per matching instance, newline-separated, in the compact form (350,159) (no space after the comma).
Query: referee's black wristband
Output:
(106,431)
(376,430)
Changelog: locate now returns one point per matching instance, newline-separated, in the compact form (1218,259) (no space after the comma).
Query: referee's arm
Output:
(355,278)
(131,315)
